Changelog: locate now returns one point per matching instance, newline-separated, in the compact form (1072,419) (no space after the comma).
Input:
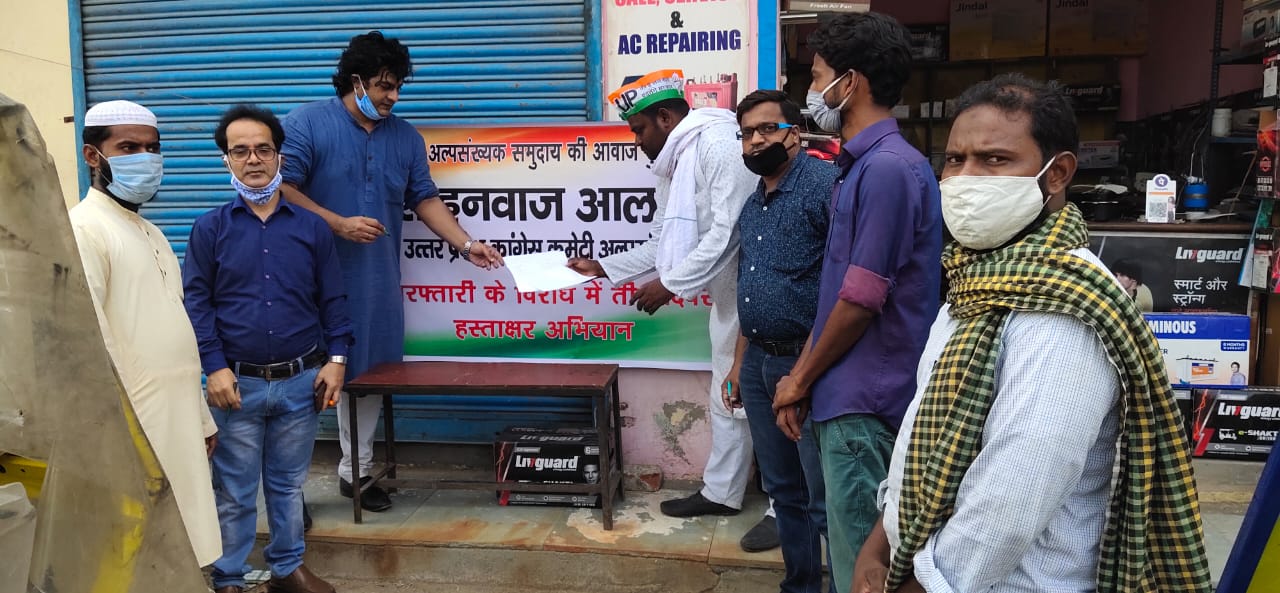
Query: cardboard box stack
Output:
(997,29)
(1098,27)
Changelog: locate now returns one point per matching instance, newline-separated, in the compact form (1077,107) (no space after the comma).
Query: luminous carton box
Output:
(996,29)
(1097,27)
(1235,423)
(1203,349)
(542,456)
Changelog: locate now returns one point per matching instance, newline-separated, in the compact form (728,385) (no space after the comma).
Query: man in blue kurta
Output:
(359,167)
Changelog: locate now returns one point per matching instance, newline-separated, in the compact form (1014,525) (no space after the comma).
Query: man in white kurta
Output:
(136,285)
(698,160)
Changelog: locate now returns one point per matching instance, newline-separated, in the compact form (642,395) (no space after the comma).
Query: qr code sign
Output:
(1157,210)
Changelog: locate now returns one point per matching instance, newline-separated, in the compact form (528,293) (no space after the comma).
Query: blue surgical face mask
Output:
(256,195)
(827,118)
(365,104)
(134,178)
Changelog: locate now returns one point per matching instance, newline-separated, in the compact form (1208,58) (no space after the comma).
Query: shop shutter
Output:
(475,62)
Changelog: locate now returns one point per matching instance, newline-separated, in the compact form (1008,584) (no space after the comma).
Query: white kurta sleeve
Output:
(625,267)
(96,261)
(724,184)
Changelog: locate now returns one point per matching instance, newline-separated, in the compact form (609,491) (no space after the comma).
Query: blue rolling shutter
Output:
(475,61)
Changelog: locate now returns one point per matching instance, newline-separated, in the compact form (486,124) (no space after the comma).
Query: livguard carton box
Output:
(547,456)
(1203,349)
(1235,423)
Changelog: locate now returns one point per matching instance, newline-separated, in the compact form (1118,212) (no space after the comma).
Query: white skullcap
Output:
(116,113)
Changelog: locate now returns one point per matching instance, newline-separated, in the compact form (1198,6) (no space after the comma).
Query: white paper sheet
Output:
(538,272)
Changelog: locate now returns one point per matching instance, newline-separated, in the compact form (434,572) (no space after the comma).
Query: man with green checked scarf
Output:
(1043,450)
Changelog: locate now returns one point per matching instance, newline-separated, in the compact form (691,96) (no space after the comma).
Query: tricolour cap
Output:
(117,113)
(637,94)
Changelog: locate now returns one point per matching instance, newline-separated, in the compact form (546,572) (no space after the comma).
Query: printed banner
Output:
(714,43)
(582,189)
(1177,272)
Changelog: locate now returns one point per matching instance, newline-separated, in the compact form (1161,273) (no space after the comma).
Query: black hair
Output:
(1128,267)
(366,56)
(1053,122)
(95,135)
(1235,364)
(790,111)
(253,112)
(873,44)
(676,106)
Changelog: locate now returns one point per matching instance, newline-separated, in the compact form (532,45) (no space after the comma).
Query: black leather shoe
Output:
(693,506)
(761,538)
(374,500)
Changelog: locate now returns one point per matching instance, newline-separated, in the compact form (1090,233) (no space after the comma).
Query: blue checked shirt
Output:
(1031,510)
(783,237)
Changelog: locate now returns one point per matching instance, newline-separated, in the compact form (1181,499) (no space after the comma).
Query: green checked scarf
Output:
(1153,539)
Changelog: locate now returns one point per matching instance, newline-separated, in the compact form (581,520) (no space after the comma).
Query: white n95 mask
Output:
(985,212)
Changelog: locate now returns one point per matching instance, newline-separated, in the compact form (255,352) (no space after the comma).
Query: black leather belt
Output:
(780,347)
(280,370)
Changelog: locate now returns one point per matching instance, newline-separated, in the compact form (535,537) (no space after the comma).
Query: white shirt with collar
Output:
(1031,510)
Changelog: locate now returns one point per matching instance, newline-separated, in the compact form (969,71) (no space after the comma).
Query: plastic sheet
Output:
(106,518)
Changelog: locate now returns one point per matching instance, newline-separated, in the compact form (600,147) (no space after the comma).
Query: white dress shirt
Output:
(1031,510)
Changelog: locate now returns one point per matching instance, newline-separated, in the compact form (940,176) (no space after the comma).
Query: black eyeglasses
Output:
(762,129)
(241,153)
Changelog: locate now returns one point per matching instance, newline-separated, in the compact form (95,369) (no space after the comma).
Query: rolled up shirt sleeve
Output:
(297,152)
(885,219)
(421,187)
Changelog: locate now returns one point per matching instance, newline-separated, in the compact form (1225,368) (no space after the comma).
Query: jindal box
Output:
(546,456)
(1203,349)
(1235,423)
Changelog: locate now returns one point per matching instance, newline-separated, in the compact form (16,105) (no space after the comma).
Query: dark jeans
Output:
(791,472)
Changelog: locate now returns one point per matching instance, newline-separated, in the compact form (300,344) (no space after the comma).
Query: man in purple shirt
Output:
(878,293)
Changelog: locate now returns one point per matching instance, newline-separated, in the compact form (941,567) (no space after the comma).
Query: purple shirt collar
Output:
(868,137)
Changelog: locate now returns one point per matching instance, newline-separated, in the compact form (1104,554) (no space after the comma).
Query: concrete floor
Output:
(464,542)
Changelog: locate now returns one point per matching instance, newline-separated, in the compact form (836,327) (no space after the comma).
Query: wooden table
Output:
(599,382)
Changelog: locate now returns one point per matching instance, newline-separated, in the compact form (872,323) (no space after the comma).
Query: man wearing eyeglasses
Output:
(264,293)
(784,230)
(693,246)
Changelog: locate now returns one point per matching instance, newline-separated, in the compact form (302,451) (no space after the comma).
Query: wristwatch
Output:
(338,359)
(466,249)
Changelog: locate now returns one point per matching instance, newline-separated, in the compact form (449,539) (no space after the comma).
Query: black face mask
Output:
(768,161)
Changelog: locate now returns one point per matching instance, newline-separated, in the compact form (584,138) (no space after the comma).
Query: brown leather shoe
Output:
(229,589)
(301,581)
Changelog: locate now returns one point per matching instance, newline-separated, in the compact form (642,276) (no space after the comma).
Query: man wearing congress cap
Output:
(693,246)
(136,286)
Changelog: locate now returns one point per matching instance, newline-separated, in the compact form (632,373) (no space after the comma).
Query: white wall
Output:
(35,59)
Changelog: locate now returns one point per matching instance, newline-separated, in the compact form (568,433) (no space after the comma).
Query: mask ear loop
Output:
(102,160)
(359,84)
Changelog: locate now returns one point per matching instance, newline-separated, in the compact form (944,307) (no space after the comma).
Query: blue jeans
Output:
(855,459)
(791,472)
(269,439)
